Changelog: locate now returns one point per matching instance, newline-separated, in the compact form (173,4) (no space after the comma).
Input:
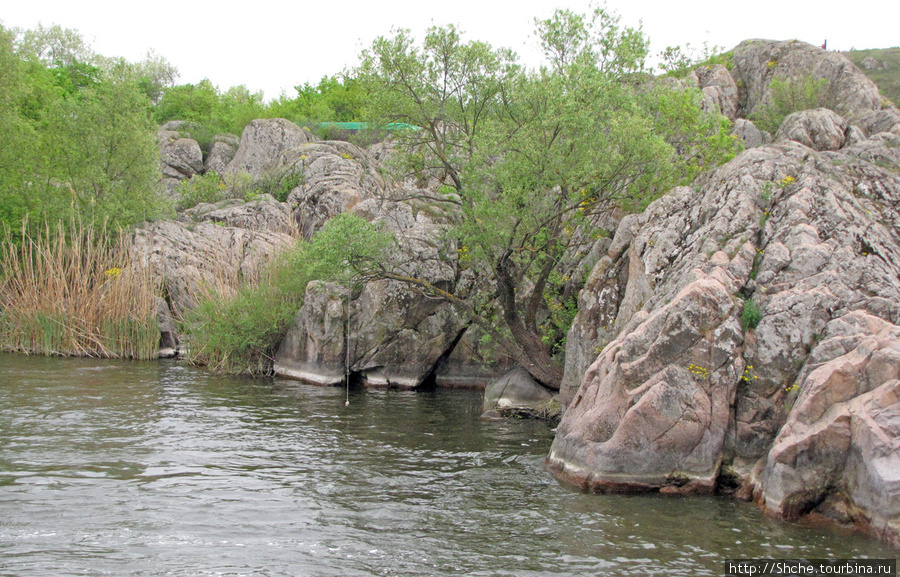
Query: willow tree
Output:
(534,156)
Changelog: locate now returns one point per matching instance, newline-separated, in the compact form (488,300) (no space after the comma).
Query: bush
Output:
(751,315)
(788,96)
(241,334)
(279,182)
(207,188)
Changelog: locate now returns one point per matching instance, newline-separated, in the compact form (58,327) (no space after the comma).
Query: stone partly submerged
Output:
(743,334)
(384,334)
(518,394)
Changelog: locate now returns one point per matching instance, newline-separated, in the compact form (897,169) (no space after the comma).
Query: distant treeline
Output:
(79,128)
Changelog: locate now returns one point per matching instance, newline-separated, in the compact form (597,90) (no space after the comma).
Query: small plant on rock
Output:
(751,315)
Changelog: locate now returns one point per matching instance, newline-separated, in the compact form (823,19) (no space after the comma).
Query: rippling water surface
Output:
(112,468)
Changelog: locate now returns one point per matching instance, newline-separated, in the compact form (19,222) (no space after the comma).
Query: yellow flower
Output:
(113,272)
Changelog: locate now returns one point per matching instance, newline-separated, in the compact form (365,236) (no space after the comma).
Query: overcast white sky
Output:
(273,45)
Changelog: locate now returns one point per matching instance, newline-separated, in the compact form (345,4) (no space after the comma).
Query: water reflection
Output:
(162,469)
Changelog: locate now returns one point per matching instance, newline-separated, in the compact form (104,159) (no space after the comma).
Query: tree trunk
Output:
(526,347)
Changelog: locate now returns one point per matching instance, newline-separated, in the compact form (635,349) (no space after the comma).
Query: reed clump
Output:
(74,290)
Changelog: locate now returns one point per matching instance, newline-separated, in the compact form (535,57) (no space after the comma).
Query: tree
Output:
(155,74)
(56,45)
(77,140)
(338,98)
(534,156)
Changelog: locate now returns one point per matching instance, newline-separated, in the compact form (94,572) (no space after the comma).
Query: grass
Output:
(887,77)
(751,315)
(75,291)
(238,331)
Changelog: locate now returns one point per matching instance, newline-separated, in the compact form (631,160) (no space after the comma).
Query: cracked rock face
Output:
(223,246)
(263,144)
(711,310)
(397,336)
(848,91)
(337,176)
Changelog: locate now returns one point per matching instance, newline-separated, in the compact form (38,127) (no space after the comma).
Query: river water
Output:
(117,468)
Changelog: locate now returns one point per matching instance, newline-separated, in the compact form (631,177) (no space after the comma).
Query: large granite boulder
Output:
(838,450)
(180,157)
(820,129)
(398,336)
(720,92)
(748,133)
(263,144)
(315,347)
(707,313)
(336,176)
(757,62)
(222,152)
(517,393)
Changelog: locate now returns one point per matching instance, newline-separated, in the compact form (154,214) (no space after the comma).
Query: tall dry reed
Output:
(76,291)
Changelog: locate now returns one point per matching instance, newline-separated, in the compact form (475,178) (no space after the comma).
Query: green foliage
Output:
(678,61)
(214,112)
(751,315)
(533,156)
(78,139)
(886,72)
(55,46)
(333,99)
(279,182)
(240,334)
(788,96)
(155,74)
(207,188)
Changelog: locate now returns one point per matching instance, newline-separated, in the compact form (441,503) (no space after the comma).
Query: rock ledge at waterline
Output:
(744,334)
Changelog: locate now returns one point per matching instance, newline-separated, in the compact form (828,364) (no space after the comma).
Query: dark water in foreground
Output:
(111,468)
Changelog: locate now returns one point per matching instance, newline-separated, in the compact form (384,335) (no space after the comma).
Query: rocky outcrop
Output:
(712,309)
(263,144)
(398,337)
(195,257)
(336,176)
(845,89)
(840,447)
(720,91)
(757,62)
(749,135)
(315,347)
(819,129)
(180,157)
(262,214)
(222,152)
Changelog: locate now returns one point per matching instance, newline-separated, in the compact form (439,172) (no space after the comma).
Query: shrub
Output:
(241,334)
(206,188)
(788,96)
(751,315)
(279,182)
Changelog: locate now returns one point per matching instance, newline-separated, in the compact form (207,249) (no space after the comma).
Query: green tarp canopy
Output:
(365,125)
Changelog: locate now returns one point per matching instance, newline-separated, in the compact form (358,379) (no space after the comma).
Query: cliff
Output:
(742,333)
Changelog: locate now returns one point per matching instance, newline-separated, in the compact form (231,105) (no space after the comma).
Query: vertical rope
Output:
(347,346)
